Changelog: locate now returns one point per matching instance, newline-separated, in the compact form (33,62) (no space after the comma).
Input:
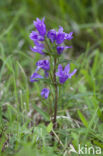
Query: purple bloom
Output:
(45,93)
(64,74)
(38,44)
(38,50)
(35,36)
(40,26)
(44,64)
(52,35)
(35,76)
(68,36)
(60,49)
(60,37)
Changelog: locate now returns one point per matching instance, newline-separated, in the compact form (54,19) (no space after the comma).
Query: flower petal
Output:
(37,50)
(60,36)
(44,64)
(67,68)
(45,93)
(60,69)
(35,36)
(71,74)
(52,35)
(63,79)
(40,26)
(68,36)
(35,76)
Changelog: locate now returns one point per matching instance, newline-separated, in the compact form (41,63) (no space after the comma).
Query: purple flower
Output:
(52,35)
(45,93)
(60,36)
(35,36)
(40,26)
(60,49)
(35,76)
(44,64)
(38,44)
(68,36)
(64,74)
(38,48)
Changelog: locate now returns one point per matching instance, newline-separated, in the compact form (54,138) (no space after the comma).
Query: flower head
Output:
(38,48)
(52,35)
(35,36)
(60,49)
(35,77)
(45,93)
(40,26)
(64,74)
(44,64)
(39,44)
(68,36)
(60,36)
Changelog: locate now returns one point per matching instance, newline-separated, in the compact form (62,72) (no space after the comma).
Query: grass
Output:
(25,124)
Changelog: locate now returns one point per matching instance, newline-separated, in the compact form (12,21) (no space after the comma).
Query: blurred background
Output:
(17,62)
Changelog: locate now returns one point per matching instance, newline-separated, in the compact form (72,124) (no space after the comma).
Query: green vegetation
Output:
(25,126)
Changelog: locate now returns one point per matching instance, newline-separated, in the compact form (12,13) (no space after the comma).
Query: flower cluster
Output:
(56,42)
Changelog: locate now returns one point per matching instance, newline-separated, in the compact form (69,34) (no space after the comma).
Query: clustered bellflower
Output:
(64,74)
(56,40)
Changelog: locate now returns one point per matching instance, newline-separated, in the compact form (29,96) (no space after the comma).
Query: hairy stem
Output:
(56,95)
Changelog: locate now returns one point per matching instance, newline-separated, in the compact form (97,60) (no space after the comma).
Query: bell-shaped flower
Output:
(35,36)
(68,36)
(45,93)
(35,77)
(40,26)
(64,74)
(60,49)
(44,64)
(38,48)
(52,35)
(60,36)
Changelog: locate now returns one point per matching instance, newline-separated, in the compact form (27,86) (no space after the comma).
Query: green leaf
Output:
(98,143)
(83,119)
(50,127)
(44,114)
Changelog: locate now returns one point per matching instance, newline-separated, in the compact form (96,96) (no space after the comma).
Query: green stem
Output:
(56,95)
